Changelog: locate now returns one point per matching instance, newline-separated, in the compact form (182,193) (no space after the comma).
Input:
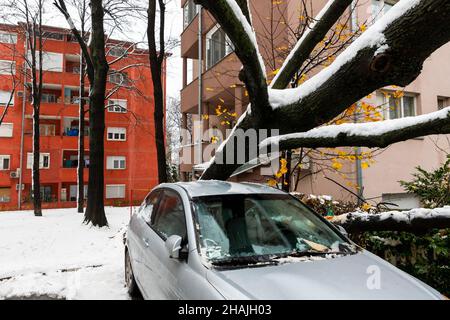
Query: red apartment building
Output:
(130,153)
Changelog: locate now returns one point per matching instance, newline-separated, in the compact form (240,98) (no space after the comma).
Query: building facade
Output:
(130,152)
(221,87)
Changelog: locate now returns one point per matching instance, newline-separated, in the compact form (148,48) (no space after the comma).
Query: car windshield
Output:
(237,228)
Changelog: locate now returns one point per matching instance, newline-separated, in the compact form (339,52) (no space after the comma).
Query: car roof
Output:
(214,187)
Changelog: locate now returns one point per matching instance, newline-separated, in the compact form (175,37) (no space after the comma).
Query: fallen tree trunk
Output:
(414,221)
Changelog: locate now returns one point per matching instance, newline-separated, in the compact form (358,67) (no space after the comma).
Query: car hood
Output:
(358,276)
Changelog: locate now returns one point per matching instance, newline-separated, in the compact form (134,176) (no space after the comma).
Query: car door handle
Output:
(146,242)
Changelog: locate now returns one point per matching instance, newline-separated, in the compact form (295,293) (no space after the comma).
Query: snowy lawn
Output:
(58,256)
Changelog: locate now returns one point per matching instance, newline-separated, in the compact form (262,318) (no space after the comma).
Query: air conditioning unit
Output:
(14,174)
(17,187)
(20,94)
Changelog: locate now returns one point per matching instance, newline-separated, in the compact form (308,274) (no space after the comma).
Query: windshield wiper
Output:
(300,254)
(244,260)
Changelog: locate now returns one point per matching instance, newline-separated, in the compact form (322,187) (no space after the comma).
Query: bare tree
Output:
(157,58)
(97,71)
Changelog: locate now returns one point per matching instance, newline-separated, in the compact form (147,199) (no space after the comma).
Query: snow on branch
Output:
(369,134)
(415,220)
(248,30)
(373,38)
(323,22)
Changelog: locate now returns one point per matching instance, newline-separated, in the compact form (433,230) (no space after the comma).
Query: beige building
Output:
(273,22)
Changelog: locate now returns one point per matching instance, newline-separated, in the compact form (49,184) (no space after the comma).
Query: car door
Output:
(138,239)
(169,219)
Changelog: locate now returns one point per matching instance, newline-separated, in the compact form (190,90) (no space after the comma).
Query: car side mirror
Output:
(342,230)
(173,246)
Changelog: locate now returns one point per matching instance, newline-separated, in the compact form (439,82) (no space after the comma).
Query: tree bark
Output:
(81,166)
(414,221)
(156,64)
(95,211)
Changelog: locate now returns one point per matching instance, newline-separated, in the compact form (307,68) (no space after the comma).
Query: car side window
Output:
(150,202)
(169,219)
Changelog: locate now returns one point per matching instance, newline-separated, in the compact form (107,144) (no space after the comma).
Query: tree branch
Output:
(371,134)
(415,220)
(391,52)
(324,21)
(231,17)
(61,5)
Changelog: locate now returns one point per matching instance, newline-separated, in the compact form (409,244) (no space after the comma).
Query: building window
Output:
(44,160)
(190,10)
(400,107)
(116,51)
(7,67)
(47,130)
(48,98)
(4,98)
(7,37)
(117,134)
(380,7)
(51,61)
(119,78)
(217,46)
(115,191)
(117,105)
(116,163)
(53,35)
(5,194)
(443,103)
(6,130)
(5,161)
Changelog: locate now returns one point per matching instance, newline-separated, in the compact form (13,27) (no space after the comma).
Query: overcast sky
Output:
(136,31)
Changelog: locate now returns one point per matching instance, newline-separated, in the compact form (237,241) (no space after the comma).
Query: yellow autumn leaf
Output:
(336,165)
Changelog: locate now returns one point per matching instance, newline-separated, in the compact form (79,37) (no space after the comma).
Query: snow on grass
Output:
(373,37)
(57,255)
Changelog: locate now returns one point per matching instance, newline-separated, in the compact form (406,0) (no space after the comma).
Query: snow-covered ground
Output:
(58,256)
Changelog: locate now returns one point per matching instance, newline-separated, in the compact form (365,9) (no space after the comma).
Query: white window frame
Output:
(187,19)
(116,103)
(41,160)
(387,113)
(228,47)
(6,66)
(116,163)
(116,131)
(8,129)
(2,158)
(117,193)
(8,37)
(4,98)
(46,128)
(378,7)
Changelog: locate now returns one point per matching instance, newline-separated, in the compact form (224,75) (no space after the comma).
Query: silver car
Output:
(224,240)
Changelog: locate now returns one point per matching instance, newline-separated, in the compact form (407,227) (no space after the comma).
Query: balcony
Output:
(219,83)
(189,37)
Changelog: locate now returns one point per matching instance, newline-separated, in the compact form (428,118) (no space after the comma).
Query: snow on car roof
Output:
(214,187)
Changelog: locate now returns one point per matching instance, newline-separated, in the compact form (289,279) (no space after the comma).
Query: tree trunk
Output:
(37,201)
(80,172)
(95,211)
(156,65)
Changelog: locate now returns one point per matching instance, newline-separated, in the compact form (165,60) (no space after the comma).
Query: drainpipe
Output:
(200,84)
(22,132)
(359,176)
